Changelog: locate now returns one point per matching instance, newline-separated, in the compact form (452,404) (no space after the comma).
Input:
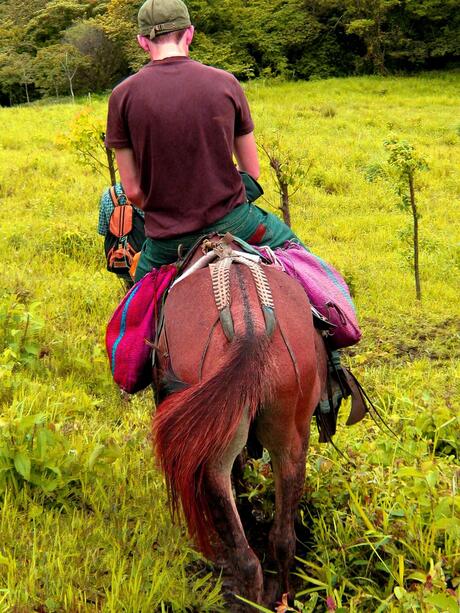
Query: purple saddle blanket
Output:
(326,290)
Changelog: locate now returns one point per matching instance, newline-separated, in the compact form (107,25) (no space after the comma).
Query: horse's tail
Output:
(194,427)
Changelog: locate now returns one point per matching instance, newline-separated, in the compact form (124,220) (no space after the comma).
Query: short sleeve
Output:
(117,134)
(243,120)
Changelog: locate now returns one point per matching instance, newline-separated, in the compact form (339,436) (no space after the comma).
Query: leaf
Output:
(408,471)
(4,560)
(32,348)
(50,486)
(22,465)
(30,420)
(447,523)
(51,604)
(399,592)
(255,606)
(360,510)
(306,578)
(55,469)
(418,576)
(42,442)
(443,602)
(97,452)
(283,606)
(35,511)
(112,453)
(432,478)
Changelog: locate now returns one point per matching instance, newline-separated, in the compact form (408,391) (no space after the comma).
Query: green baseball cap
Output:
(157,17)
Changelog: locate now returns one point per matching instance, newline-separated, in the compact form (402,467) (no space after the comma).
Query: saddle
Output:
(219,254)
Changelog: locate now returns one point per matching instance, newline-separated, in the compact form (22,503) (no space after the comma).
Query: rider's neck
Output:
(161,52)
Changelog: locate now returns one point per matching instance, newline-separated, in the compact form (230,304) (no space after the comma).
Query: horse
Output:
(262,385)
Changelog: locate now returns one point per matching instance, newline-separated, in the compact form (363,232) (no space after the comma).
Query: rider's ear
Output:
(143,43)
(189,35)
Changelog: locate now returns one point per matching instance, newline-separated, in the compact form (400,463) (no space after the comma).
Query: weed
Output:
(327,110)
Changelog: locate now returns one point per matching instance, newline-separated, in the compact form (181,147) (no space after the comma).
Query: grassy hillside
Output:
(83,518)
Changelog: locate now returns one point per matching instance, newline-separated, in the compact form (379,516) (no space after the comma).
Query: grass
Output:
(84,524)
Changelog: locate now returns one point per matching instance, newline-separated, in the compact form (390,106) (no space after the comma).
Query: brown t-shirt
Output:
(180,119)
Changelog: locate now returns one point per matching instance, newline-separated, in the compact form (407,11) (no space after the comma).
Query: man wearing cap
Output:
(176,126)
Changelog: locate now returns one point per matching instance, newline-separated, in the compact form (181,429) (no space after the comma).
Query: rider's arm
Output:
(245,150)
(129,176)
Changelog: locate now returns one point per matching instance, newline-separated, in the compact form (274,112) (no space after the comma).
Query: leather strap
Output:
(113,196)
(116,199)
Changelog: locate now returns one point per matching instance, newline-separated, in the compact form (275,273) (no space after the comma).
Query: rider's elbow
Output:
(254,170)
(136,196)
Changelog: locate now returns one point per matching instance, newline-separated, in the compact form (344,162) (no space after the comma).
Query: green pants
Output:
(244,221)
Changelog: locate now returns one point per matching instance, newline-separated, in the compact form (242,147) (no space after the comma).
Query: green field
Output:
(83,518)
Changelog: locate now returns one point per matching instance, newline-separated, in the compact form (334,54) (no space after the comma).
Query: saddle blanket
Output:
(131,330)
(325,287)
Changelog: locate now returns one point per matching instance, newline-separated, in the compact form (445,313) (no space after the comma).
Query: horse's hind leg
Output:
(242,570)
(289,474)
(287,448)
(253,450)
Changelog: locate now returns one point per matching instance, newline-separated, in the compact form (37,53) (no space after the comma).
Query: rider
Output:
(175,127)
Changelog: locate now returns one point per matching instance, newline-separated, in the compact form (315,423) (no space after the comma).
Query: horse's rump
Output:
(196,341)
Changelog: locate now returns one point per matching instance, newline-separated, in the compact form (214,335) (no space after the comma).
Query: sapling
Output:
(288,171)
(401,168)
(87,139)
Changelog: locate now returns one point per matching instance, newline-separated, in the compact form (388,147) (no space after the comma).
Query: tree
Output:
(56,67)
(220,52)
(119,23)
(403,164)
(106,61)
(48,25)
(289,172)
(20,12)
(277,33)
(23,63)
(86,139)
(292,38)
(9,80)
(369,20)
(431,29)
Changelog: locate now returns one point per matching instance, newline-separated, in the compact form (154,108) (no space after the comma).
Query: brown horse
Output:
(266,387)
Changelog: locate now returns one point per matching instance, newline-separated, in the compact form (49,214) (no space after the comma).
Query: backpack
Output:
(125,236)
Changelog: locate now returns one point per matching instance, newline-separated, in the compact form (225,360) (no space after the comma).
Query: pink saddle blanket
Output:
(131,330)
(325,288)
